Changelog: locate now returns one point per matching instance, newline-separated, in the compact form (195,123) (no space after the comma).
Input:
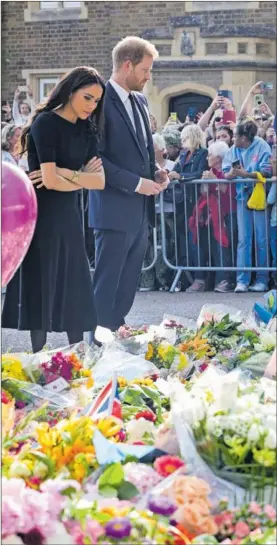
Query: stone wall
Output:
(55,43)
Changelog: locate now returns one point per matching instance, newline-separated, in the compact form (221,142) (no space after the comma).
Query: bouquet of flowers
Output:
(7,412)
(31,515)
(248,520)
(113,521)
(234,426)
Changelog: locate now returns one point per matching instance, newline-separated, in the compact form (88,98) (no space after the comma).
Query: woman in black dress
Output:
(53,291)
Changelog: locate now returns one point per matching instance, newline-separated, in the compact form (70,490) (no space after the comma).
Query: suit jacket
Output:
(118,207)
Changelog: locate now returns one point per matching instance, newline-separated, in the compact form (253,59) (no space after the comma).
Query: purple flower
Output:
(161,505)
(118,528)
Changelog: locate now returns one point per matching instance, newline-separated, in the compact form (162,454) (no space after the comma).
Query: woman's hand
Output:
(208,174)
(94,165)
(257,88)
(36,178)
(174,175)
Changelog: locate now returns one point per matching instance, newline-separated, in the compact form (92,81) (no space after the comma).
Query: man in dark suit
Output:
(120,214)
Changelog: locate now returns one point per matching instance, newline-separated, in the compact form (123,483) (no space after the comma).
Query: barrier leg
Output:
(175,281)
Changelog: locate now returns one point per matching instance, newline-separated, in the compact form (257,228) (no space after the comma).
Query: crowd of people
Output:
(207,224)
(223,224)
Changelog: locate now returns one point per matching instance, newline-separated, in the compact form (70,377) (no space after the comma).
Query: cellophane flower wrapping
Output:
(226,426)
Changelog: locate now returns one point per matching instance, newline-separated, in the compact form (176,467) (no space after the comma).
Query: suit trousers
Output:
(119,259)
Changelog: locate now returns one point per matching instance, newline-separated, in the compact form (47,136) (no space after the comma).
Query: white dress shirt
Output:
(124,97)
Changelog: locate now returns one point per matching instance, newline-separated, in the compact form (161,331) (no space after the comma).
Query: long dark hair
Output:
(75,79)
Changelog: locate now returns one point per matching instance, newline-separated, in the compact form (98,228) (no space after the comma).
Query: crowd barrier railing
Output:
(214,231)
(83,207)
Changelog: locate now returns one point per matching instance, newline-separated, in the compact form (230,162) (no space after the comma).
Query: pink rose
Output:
(255,508)
(270,511)
(241,530)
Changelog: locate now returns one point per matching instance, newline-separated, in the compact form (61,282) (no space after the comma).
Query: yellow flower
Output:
(265,457)
(122,382)
(162,351)
(109,426)
(150,352)
(143,381)
(12,368)
(183,361)
(89,383)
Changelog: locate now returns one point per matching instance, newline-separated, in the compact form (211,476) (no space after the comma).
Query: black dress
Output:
(52,291)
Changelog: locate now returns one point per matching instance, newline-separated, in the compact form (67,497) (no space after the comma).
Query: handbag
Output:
(257,200)
(174,193)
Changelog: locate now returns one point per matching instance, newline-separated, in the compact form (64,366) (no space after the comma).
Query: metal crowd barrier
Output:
(209,242)
(84,219)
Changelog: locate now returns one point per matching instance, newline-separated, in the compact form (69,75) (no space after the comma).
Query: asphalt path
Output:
(148,308)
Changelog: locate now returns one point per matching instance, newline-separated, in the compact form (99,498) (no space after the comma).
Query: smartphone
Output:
(267,86)
(258,100)
(236,164)
(226,94)
(229,115)
(173,116)
(192,111)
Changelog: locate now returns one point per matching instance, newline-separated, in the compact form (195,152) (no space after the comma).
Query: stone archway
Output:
(159,100)
(187,87)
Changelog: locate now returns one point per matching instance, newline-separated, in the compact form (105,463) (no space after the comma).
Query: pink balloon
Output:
(19,215)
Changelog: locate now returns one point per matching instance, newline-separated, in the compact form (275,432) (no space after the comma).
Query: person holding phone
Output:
(23,105)
(52,291)
(249,155)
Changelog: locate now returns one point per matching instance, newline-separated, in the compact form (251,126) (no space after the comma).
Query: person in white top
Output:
(161,153)
(10,135)
(23,106)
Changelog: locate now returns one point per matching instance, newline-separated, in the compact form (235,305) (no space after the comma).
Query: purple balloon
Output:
(19,215)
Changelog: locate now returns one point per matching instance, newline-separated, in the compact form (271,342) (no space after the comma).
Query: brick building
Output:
(203,46)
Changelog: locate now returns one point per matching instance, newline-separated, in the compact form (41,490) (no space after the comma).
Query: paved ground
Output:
(149,307)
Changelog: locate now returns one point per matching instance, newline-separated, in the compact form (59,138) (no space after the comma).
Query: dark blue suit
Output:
(120,216)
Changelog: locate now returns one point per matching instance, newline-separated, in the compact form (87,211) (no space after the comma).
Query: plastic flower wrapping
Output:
(164,435)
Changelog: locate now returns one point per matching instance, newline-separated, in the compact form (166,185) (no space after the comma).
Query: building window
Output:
(56,5)
(45,86)
(55,11)
(263,49)
(216,48)
(242,48)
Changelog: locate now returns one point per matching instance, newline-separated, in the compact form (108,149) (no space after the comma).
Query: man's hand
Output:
(148,187)
(161,176)
(237,173)
(174,175)
(94,165)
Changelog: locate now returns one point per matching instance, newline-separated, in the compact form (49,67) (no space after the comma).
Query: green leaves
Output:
(112,476)
(112,484)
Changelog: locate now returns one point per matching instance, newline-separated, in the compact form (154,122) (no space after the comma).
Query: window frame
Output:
(44,80)
(34,13)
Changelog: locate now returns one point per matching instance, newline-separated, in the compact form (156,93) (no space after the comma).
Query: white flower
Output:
(270,440)
(254,433)
(137,428)
(18,469)
(270,422)
(40,470)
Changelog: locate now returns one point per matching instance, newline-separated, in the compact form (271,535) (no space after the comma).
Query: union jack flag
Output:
(107,403)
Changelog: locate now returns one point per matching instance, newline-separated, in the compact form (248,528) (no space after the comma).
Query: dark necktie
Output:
(138,126)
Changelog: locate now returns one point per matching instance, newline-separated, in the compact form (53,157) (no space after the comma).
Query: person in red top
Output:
(213,223)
